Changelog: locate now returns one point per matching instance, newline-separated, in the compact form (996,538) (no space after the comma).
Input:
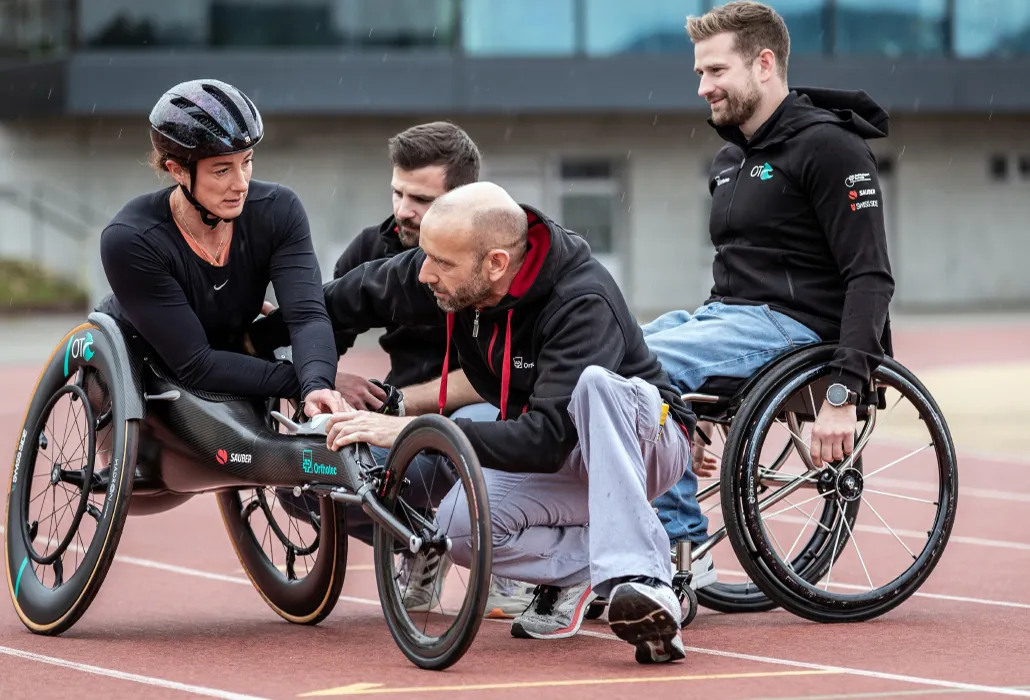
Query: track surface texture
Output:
(177,616)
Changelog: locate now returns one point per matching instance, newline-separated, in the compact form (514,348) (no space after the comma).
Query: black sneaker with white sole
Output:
(646,613)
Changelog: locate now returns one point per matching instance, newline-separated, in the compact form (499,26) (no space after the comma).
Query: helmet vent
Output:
(230,107)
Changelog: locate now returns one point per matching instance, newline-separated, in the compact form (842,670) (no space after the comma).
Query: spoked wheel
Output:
(453,564)
(70,485)
(809,557)
(906,485)
(293,549)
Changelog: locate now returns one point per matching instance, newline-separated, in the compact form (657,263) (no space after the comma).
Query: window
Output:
(259,23)
(998,167)
(643,26)
(991,28)
(525,27)
(806,21)
(591,203)
(891,28)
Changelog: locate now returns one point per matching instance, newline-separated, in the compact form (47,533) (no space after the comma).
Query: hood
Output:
(388,234)
(803,107)
(552,252)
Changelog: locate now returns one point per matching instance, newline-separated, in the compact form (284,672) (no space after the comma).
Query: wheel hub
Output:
(849,484)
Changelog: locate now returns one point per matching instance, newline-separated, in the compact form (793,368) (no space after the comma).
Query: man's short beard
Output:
(740,108)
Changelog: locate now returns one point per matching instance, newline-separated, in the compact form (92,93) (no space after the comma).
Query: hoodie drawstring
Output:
(446,364)
(505,368)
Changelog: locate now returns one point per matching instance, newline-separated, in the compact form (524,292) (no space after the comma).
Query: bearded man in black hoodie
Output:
(590,429)
(797,224)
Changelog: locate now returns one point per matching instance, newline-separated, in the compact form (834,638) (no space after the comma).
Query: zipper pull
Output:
(475,325)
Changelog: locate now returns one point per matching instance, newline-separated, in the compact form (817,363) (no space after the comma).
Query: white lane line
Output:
(132,677)
(711,652)
(917,594)
(963,491)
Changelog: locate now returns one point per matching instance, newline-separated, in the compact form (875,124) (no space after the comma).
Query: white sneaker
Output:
(508,598)
(702,571)
(647,615)
(556,613)
(421,580)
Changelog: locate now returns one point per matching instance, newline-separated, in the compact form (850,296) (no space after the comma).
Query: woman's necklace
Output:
(218,254)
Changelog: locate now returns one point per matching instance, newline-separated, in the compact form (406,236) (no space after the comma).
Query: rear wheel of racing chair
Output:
(296,561)
(71,483)
(422,634)
(906,486)
(294,550)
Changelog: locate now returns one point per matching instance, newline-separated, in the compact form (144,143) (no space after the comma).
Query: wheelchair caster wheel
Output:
(596,609)
(689,607)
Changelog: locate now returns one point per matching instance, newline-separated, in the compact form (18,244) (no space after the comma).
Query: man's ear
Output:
(497,261)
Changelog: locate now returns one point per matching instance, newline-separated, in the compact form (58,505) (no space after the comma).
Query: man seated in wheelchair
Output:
(189,264)
(798,229)
(589,429)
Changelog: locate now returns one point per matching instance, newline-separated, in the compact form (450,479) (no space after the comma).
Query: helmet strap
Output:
(207,217)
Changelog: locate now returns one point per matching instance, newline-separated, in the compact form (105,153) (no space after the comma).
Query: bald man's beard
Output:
(471,293)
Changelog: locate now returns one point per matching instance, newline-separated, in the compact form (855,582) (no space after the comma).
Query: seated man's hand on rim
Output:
(324,401)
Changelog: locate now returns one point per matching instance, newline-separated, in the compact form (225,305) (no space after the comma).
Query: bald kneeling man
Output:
(589,431)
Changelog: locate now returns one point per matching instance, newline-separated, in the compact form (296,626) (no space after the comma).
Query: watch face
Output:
(837,394)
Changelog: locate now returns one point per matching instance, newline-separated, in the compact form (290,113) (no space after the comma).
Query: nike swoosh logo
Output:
(217,287)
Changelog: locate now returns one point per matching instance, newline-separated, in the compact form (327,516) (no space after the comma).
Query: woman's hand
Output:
(324,401)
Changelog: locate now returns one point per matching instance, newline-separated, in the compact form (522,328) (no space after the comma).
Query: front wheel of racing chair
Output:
(77,447)
(439,437)
(886,481)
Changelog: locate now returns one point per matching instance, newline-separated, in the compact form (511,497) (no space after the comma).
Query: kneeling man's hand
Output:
(375,429)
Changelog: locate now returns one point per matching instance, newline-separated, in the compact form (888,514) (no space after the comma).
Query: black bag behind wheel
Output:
(299,594)
(84,369)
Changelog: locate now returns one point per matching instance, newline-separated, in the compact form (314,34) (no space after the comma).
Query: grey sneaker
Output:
(647,615)
(556,613)
(421,580)
(508,598)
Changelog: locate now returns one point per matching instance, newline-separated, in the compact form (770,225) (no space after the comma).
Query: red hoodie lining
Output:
(539,239)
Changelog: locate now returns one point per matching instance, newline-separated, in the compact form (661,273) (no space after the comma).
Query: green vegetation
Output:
(27,287)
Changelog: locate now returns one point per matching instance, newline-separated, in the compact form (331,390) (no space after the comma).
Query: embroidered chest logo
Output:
(519,363)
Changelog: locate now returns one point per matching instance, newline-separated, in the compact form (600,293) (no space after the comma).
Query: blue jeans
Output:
(431,477)
(724,340)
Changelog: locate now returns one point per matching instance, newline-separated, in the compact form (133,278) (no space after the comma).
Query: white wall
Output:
(958,239)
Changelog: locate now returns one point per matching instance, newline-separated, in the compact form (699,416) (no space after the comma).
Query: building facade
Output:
(587,109)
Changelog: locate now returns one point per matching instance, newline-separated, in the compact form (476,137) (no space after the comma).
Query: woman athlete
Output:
(189,265)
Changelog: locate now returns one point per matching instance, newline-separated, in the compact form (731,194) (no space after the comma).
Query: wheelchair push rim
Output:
(84,501)
(870,477)
(441,438)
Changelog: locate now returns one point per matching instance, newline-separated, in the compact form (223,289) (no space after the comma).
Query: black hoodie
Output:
(797,223)
(416,352)
(563,313)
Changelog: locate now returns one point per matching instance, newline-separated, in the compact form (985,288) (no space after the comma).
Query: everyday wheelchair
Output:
(148,445)
(761,472)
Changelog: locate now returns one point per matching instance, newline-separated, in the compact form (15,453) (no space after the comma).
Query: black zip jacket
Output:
(416,352)
(563,313)
(797,223)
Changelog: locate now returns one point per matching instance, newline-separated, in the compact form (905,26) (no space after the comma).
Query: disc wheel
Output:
(71,484)
(293,549)
(460,617)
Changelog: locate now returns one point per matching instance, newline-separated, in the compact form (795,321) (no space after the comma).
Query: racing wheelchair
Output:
(759,473)
(149,445)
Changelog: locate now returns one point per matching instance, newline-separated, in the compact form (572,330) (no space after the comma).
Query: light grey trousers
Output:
(593,518)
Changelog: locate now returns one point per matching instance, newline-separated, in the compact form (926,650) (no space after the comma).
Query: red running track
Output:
(177,616)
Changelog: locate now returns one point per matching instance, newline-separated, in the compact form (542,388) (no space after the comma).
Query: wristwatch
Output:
(839,395)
